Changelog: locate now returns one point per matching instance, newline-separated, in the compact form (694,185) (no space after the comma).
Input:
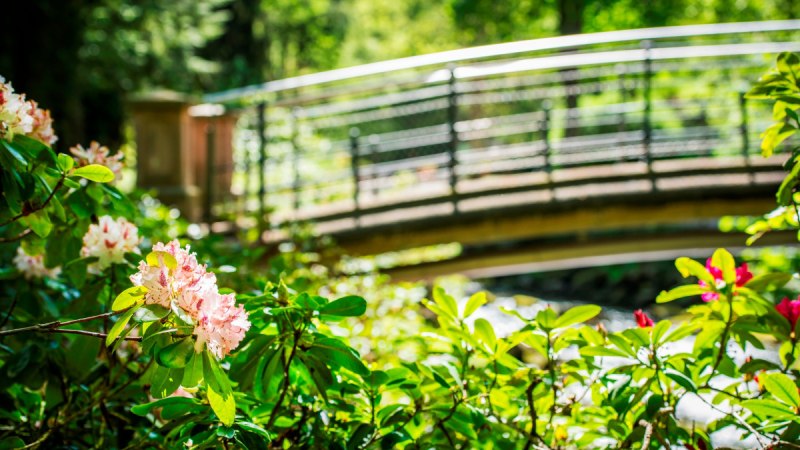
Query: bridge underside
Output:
(625,227)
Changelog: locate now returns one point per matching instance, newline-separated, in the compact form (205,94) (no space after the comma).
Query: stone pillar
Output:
(172,139)
(164,149)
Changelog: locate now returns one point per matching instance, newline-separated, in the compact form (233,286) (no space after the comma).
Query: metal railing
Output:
(537,115)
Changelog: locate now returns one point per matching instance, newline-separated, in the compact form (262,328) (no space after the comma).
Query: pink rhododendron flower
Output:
(789,309)
(220,324)
(642,319)
(97,154)
(743,275)
(109,240)
(32,266)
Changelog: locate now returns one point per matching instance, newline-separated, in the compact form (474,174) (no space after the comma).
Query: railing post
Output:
(211,159)
(452,118)
(648,107)
(296,160)
(262,166)
(623,96)
(544,128)
(744,128)
(373,156)
(354,134)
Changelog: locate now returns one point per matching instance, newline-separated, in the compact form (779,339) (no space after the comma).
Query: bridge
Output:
(554,149)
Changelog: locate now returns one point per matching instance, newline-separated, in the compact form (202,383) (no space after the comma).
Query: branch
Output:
(17,237)
(50,326)
(91,333)
(274,414)
(27,212)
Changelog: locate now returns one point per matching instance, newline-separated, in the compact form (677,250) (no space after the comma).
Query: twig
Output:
(26,232)
(89,333)
(648,433)
(47,327)
(274,414)
(30,211)
(10,310)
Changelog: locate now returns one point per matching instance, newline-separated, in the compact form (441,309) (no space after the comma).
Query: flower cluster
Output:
(97,154)
(24,117)
(109,240)
(32,266)
(642,319)
(790,309)
(220,324)
(743,275)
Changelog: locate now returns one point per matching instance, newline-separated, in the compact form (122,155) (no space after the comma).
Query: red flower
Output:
(789,309)
(743,275)
(641,319)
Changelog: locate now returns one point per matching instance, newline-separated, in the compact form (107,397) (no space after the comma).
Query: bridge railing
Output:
(459,130)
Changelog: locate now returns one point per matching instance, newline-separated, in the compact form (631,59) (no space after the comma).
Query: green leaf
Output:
(350,306)
(11,442)
(94,172)
(361,437)
(769,408)
(118,326)
(176,355)
(39,222)
(193,372)
(333,350)
(475,301)
(151,313)
(446,302)
(689,267)
(783,388)
(768,281)
(219,392)
(156,259)
(65,162)
(128,298)
(253,428)
(485,333)
(660,329)
(577,314)
(602,351)
(681,379)
(144,409)
(725,262)
(688,290)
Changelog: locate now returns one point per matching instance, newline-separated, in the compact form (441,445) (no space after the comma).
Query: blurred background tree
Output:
(81,57)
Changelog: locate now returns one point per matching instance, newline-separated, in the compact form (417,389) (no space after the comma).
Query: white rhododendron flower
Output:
(42,125)
(32,266)
(109,240)
(97,154)
(220,324)
(16,114)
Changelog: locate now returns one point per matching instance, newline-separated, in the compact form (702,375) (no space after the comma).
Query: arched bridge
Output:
(564,145)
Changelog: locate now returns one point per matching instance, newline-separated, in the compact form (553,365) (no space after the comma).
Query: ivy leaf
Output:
(94,172)
(128,298)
